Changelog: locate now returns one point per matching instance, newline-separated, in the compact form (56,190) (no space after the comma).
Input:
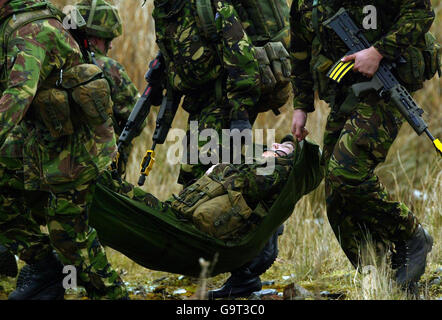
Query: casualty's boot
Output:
(245,280)
(37,279)
(54,292)
(8,264)
(410,258)
(240,284)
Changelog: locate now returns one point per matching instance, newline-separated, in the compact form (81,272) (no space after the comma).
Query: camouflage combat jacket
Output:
(400,24)
(194,62)
(36,52)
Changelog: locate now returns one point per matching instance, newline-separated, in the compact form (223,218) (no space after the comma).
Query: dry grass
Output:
(308,249)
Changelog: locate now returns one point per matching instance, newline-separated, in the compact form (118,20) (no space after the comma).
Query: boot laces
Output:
(24,278)
(401,256)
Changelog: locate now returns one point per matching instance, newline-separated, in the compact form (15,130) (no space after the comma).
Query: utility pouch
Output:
(52,107)
(90,92)
(268,80)
(223,217)
(431,56)
(280,62)
(411,73)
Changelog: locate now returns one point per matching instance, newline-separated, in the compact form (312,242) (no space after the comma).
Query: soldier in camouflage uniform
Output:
(101,29)
(359,133)
(36,163)
(218,96)
(123,92)
(220,80)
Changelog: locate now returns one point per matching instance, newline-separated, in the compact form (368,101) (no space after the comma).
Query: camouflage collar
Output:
(96,51)
(16,6)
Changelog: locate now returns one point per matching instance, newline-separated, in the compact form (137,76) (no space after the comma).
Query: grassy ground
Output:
(310,255)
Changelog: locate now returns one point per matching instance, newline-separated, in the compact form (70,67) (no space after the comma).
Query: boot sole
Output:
(46,293)
(218,294)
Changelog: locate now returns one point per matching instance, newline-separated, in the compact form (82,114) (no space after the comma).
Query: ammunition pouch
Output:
(196,194)
(432,57)
(82,86)
(90,92)
(275,71)
(421,63)
(52,106)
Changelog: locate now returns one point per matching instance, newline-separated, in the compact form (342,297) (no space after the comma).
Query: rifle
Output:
(150,96)
(383,81)
(169,107)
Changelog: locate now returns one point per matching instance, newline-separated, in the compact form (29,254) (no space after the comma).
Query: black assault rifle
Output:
(383,81)
(169,107)
(152,95)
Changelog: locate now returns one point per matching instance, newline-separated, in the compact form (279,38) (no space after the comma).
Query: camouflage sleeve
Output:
(300,54)
(240,67)
(124,93)
(28,62)
(413,20)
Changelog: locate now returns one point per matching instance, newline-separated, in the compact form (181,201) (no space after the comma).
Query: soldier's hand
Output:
(298,124)
(366,61)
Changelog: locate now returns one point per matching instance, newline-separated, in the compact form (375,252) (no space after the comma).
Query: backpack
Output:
(266,22)
(81,88)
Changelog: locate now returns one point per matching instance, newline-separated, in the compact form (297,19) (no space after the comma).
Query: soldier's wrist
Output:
(306,109)
(381,48)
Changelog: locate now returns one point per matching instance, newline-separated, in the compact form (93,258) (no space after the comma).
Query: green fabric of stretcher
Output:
(159,240)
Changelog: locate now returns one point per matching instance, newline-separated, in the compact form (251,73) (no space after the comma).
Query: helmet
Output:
(102,19)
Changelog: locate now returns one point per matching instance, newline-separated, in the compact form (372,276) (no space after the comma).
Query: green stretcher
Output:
(159,240)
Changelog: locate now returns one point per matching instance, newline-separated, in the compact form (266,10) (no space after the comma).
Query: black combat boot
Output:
(54,292)
(240,284)
(8,264)
(410,258)
(245,280)
(40,281)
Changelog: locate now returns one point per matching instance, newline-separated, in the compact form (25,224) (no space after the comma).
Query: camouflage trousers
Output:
(358,205)
(66,217)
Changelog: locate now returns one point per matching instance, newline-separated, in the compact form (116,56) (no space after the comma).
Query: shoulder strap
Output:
(205,14)
(315,21)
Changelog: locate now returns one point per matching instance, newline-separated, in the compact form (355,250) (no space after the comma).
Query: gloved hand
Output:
(240,125)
